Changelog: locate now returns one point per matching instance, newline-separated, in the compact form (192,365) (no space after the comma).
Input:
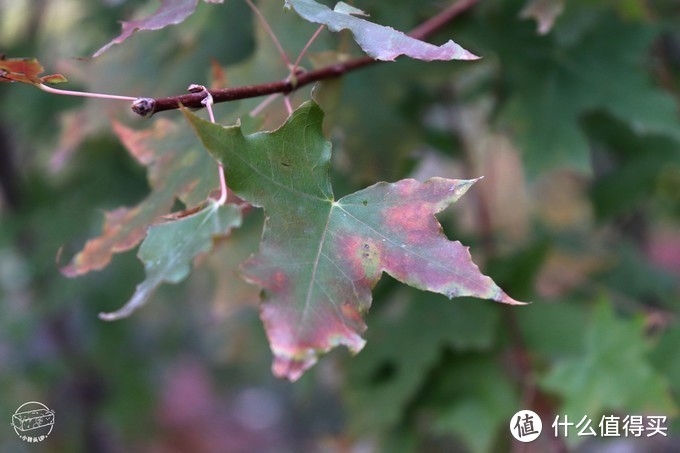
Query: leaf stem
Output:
(208,103)
(293,70)
(289,107)
(270,32)
(84,94)
(264,104)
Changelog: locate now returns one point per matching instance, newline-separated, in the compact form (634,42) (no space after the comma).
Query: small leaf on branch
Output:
(170,248)
(319,259)
(379,42)
(26,70)
(171,12)
(177,167)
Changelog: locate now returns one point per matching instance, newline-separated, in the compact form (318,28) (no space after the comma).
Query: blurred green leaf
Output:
(405,341)
(613,372)
(479,401)
(628,165)
(551,82)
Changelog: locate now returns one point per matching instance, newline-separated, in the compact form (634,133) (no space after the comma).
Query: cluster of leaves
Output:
(579,143)
(315,304)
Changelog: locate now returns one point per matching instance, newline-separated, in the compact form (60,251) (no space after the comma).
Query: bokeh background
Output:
(576,131)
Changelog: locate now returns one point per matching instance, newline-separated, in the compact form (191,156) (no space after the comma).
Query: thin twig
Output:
(84,94)
(264,104)
(318,31)
(289,107)
(270,32)
(193,100)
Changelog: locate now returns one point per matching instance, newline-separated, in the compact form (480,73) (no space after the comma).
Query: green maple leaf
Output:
(613,373)
(320,258)
(169,249)
(553,80)
(177,168)
(406,341)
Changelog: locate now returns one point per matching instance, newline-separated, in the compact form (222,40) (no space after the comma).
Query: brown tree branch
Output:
(147,106)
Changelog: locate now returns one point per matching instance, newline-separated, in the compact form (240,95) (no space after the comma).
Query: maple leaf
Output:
(171,12)
(602,378)
(26,70)
(378,41)
(555,79)
(177,168)
(411,339)
(320,258)
(169,249)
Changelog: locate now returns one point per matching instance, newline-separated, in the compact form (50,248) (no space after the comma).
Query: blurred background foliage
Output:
(577,132)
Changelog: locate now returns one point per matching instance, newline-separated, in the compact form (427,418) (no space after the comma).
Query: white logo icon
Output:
(33,421)
(526,426)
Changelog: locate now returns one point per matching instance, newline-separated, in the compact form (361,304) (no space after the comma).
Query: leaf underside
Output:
(379,42)
(319,258)
(171,12)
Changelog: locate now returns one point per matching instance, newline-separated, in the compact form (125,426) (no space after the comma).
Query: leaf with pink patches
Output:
(378,41)
(171,12)
(319,258)
(177,167)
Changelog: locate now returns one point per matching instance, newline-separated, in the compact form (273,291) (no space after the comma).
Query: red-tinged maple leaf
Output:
(177,168)
(319,258)
(26,70)
(170,248)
